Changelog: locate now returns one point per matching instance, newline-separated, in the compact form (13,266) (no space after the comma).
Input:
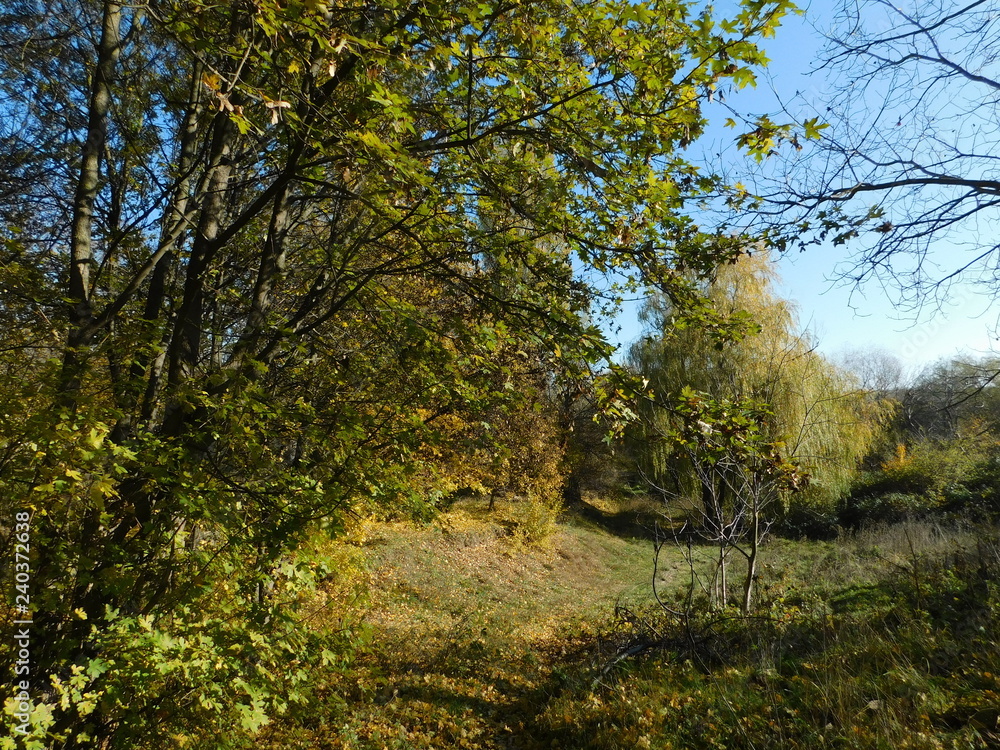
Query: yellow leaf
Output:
(103,487)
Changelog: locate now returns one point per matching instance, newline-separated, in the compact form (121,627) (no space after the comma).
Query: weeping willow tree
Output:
(816,414)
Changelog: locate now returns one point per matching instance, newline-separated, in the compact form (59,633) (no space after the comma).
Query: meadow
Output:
(466,636)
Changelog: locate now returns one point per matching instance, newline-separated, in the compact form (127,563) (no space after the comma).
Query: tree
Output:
(949,396)
(940,455)
(818,414)
(742,475)
(508,444)
(878,371)
(254,253)
(907,161)
(733,428)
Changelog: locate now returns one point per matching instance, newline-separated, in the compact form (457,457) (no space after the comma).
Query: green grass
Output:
(885,639)
(879,650)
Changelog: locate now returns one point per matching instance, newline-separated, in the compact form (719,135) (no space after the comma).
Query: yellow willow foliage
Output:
(820,414)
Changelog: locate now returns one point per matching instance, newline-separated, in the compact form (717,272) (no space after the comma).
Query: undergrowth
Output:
(906,657)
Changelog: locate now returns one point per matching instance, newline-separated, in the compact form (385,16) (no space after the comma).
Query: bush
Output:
(530,520)
(957,475)
(979,495)
(890,507)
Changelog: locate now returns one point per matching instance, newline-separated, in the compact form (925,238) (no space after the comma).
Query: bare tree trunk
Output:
(754,544)
(88,183)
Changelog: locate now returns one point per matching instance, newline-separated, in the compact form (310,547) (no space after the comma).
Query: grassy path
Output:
(469,634)
(887,639)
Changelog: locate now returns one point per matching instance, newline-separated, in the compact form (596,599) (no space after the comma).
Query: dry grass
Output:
(468,628)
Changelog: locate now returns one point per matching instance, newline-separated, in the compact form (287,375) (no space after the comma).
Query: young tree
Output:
(743,476)
(736,426)
(252,251)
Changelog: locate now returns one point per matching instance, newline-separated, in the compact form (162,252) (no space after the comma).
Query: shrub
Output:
(928,476)
(530,520)
(890,507)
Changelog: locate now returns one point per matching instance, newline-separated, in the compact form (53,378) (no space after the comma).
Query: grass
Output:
(469,631)
(883,639)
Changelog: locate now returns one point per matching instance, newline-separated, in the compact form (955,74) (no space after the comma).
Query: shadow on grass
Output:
(904,660)
(631,520)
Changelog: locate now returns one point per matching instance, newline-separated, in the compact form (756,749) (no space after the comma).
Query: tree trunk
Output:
(752,559)
(87,186)
(148,368)
(572,494)
(188,330)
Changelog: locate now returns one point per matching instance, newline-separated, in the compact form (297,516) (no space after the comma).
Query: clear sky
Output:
(840,316)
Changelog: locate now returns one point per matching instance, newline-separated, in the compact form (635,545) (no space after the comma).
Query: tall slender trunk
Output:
(722,580)
(87,186)
(188,330)
(148,365)
(752,555)
(66,636)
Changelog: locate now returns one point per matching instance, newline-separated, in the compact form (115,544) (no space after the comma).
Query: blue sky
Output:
(840,316)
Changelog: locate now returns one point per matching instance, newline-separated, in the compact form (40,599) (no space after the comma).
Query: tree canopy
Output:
(255,258)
